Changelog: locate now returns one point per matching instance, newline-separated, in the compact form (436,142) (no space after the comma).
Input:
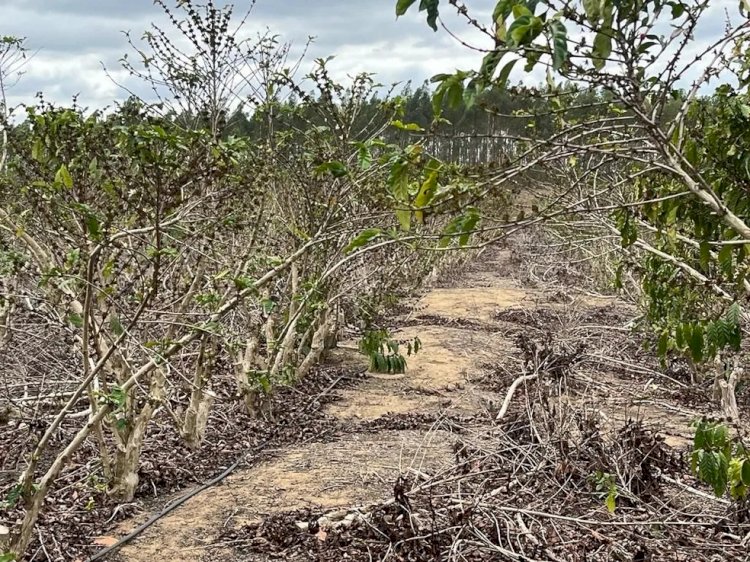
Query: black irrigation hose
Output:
(203,487)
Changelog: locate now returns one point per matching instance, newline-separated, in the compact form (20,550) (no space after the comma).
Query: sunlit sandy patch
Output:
(479,304)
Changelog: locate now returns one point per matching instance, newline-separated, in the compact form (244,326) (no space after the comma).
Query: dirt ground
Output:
(390,433)
(358,468)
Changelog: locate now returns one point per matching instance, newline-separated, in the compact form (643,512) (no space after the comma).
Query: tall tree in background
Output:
(13,58)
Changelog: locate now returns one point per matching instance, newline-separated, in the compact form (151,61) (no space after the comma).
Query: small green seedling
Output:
(385,352)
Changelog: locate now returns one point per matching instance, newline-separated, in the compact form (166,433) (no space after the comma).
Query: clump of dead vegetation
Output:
(548,481)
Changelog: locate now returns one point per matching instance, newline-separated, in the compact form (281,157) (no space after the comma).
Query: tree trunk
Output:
(724,391)
(4,538)
(125,469)
(196,418)
(269,330)
(130,443)
(256,402)
(202,399)
(286,350)
(331,340)
(6,308)
(317,347)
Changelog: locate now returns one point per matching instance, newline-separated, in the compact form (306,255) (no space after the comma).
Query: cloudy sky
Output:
(75,39)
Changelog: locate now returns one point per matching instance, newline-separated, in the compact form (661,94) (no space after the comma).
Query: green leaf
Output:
(455,93)
(397,177)
(470,94)
(678,336)
(745,472)
(559,44)
(242,283)
(451,89)
(699,439)
(336,169)
(696,343)
(468,226)
(403,5)
(611,502)
(687,331)
(108,269)
(431,7)
(695,461)
(37,149)
(63,177)
(424,196)
(117,396)
(708,467)
(663,344)
(398,181)
(381,364)
(501,31)
(720,484)
(362,238)
(489,65)
(93,226)
(404,219)
(725,259)
(451,228)
(75,319)
(406,126)
(691,151)
(593,14)
(116,326)
(437,101)
(733,315)
(364,156)
(268,305)
(519,30)
(518,10)
(502,78)
(644,47)
(463,225)
(732,322)
(719,435)
(15,493)
(705,254)
(503,9)
(602,48)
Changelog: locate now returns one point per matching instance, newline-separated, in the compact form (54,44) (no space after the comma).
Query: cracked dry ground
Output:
(391,425)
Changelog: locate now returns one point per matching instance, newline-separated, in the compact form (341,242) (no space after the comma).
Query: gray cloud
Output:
(75,38)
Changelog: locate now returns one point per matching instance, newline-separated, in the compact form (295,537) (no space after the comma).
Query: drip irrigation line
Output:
(102,554)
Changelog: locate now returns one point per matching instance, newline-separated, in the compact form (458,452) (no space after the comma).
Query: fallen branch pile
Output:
(548,482)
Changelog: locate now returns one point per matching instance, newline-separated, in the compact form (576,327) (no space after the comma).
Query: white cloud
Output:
(75,37)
